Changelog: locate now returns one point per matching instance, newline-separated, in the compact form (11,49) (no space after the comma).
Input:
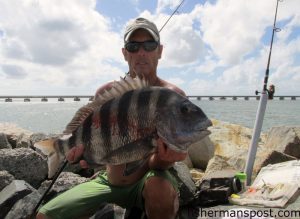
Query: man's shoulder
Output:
(163,83)
(171,86)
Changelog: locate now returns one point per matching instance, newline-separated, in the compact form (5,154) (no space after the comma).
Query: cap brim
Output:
(155,37)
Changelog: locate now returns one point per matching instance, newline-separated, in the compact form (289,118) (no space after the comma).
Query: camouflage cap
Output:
(141,23)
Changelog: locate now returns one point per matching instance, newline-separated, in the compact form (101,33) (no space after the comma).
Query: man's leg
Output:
(85,199)
(160,198)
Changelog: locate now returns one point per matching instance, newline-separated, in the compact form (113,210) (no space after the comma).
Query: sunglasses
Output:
(135,46)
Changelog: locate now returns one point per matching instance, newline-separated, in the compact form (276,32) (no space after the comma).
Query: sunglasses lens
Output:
(132,47)
(135,46)
(150,46)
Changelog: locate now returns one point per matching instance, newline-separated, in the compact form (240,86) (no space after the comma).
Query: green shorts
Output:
(85,199)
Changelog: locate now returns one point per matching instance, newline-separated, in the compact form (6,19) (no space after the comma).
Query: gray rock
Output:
(65,181)
(23,209)
(201,152)
(185,181)
(284,139)
(15,191)
(108,211)
(5,179)
(238,161)
(218,163)
(24,164)
(13,133)
(4,141)
(188,162)
(277,157)
(23,141)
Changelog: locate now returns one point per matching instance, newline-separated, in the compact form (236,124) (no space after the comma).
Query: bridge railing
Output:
(61,98)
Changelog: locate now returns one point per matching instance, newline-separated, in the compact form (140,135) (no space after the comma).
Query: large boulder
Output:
(4,141)
(230,138)
(282,144)
(15,191)
(23,208)
(201,152)
(25,164)
(17,136)
(232,144)
(284,139)
(65,181)
(5,178)
(217,164)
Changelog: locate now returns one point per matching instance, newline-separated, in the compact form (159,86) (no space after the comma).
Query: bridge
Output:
(61,98)
(235,97)
(45,98)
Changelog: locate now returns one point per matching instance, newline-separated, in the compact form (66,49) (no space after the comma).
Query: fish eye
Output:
(184,109)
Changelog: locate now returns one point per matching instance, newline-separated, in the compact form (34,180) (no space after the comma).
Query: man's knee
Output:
(160,196)
(41,216)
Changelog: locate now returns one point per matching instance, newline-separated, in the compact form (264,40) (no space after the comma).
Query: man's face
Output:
(142,62)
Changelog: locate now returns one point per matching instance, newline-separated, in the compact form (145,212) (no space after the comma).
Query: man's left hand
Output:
(167,154)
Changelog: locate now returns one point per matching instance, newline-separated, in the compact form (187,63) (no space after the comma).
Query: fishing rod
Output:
(49,187)
(176,10)
(260,111)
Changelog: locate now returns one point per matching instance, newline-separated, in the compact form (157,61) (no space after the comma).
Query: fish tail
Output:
(50,148)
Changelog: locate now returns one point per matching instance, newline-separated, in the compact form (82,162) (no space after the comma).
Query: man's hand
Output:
(75,154)
(167,154)
(165,157)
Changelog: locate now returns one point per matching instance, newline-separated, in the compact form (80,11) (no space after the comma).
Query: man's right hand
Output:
(75,154)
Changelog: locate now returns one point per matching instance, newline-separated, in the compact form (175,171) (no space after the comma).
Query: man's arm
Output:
(165,157)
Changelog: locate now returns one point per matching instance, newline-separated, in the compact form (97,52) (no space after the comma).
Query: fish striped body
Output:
(120,122)
(122,128)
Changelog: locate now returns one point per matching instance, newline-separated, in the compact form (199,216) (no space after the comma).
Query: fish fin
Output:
(46,146)
(78,119)
(118,89)
(54,159)
(133,166)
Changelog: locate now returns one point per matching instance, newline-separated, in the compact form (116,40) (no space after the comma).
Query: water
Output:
(52,116)
(278,112)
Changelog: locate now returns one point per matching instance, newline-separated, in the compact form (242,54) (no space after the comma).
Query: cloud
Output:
(208,66)
(63,42)
(178,81)
(183,45)
(164,4)
(215,47)
(228,30)
(13,71)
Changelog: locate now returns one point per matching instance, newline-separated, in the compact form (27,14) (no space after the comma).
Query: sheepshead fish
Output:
(122,125)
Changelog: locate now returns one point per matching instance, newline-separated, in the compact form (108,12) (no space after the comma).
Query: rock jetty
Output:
(23,170)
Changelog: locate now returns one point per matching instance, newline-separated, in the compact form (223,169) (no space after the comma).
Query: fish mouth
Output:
(204,125)
(180,142)
(205,132)
(183,148)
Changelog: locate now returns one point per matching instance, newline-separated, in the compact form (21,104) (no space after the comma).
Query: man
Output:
(271,91)
(152,188)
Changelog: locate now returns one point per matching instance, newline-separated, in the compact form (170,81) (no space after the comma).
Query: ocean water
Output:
(52,116)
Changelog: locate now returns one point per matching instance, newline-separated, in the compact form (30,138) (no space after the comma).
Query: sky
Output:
(213,47)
